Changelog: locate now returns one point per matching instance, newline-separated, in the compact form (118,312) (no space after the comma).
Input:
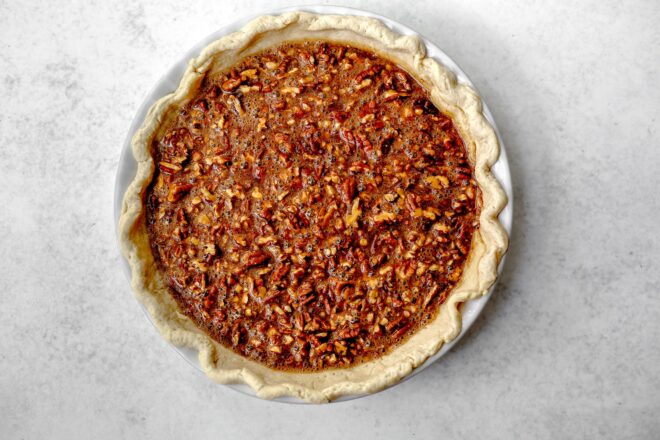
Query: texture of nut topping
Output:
(311,208)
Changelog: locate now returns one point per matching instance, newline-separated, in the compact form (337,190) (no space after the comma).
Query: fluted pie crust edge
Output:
(489,242)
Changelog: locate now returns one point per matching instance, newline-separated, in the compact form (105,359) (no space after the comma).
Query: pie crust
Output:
(489,241)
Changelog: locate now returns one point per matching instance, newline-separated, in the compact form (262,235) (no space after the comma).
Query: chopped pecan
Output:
(347,332)
(367,73)
(347,189)
(347,136)
(231,84)
(256,258)
(402,82)
(411,202)
(426,107)
(177,191)
(169,168)
(283,143)
(280,272)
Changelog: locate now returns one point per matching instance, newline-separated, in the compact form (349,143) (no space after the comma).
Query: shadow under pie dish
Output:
(311,206)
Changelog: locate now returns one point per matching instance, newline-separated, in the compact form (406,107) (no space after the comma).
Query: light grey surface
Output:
(568,347)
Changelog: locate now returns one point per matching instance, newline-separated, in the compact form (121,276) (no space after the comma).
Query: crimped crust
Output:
(480,271)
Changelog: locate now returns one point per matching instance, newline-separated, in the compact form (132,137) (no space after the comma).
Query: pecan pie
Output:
(312,206)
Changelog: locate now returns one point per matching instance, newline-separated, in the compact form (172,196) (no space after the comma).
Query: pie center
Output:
(311,208)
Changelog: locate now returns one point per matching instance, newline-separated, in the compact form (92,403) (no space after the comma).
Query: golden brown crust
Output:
(480,271)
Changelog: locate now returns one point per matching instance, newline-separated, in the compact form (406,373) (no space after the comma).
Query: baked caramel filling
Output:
(311,208)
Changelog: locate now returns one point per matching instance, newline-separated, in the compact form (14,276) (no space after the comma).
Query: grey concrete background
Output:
(568,347)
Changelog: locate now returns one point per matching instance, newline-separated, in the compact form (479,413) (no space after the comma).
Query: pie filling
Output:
(311,208)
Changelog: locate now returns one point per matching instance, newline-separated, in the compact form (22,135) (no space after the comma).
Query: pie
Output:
(312,205)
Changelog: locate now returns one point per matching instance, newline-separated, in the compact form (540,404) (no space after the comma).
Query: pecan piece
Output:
(279,104)
(355,140)
(347,136)
(306,57)
(424,106)
(274,294)
(169,168)
(305,288)
(338,116)
(391,95)
(368,73)
(347,189)
(283,143)
(280,272)
(236,105)
(298,273)
(358,167)
(310,139)
(411,202)
(402,331)
(236,333)
(430,295)
(347,333)
(402,82)
(177,191)
(256,258)
(364,143)
(298,320)
(231,84)
(386,144)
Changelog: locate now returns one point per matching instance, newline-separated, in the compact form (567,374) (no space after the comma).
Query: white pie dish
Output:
(127,165)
